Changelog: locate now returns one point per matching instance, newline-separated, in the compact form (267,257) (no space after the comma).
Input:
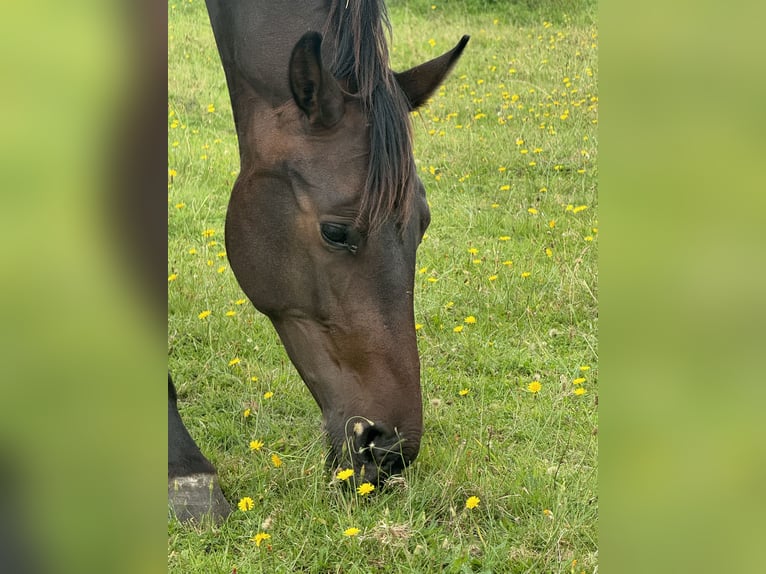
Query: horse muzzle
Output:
(377,451)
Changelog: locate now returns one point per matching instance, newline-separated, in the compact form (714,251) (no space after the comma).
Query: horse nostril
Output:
(375,450)
(364,441)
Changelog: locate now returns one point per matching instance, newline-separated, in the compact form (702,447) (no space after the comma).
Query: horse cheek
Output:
(259,246)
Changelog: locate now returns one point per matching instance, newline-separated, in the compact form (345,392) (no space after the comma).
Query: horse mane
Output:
(357,29)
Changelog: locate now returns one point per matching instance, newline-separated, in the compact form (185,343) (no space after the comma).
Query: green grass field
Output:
(506,296)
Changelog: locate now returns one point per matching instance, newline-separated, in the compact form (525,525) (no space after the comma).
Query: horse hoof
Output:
(197,497)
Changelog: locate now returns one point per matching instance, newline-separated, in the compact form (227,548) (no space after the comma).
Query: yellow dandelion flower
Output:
(254,379)
(245,504)
(180,205)
(548,513)
(495,205)
(432,280)
(345,474)
(476,261)
(504,238)
(508,263)
(525,274)
(260,537)
(222,268)
(208,232)
(423,270)
(505,187)
(463,392)
(534,387)
(221,254)
(519,141)
(212,243)
(204,314)
(365,488)
(457,329)
(579,208)
(255,445)
(240,301)
(230,313)
(552,223)
(472,502)
(493,278)
(192,251)
(351,531)
(449,305)
(578,381)
(549,252)
(579,391)
(268,394)
(246,413)
(532,211)
(172,277)
(418,326)
(585,368)
(210,108)
(172,173)
(276,461)
(234,361)
(470,320)
(588,238)
(473,251)
(431,42)
(569,207)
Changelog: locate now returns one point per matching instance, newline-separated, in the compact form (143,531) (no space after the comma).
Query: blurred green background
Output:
(682,287)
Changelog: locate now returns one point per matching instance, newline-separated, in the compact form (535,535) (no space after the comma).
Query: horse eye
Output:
(334,233)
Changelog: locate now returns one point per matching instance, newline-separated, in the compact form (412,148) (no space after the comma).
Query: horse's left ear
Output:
(420,82)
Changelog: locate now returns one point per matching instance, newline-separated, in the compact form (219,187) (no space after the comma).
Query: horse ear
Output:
(314,89)
(420,82)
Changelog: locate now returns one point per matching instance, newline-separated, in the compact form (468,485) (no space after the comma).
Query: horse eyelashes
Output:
(334,233)
(338,236)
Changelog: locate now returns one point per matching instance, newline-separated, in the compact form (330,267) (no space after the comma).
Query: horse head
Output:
(331,266)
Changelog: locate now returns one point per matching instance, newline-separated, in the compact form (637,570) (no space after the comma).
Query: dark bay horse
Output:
(324,221)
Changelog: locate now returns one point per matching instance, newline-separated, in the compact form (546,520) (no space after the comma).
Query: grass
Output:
(506,147)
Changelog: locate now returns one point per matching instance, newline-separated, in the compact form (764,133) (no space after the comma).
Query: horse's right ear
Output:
(314,89)
(420,82)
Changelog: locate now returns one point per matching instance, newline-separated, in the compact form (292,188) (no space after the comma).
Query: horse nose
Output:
(376,451)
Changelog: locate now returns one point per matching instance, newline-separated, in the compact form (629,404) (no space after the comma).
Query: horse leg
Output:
(193,488)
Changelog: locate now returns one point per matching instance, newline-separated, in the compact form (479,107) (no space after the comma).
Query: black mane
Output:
(357,29)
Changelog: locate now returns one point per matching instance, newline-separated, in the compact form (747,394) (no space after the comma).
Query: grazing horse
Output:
(324,221)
